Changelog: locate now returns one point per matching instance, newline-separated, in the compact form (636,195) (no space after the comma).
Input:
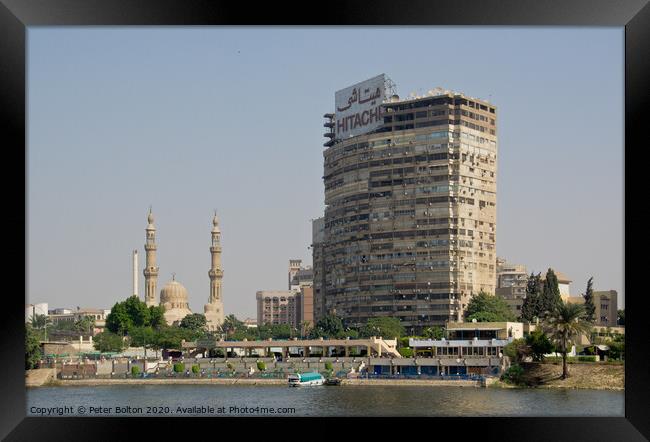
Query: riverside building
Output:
(410,196)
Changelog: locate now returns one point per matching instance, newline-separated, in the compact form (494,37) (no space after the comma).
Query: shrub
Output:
(135,370)
(328,365)
(591,358)
(406,352)
(179,367)
(261,366)
(195,368)
(229,365)
(513,374)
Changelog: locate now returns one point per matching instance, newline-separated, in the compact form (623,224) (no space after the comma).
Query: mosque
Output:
(173,296)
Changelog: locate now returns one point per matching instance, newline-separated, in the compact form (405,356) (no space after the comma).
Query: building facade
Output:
(317,248)
(410,215)
(276,307)
(606,307)
(511,283)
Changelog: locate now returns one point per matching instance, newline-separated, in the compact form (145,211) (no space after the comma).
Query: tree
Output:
(118,320)
(488,308)
(305,328)
(563,325)
(108,341)
(157,316)
(590,308)
(39,322)
(550,299)
(143,337)
(434,332)
(195,322)
(32,347)
(85,324)
(231,324)
(539,345)
(531,308)
(385,327)
(329,325)
(137,311)
(133,313)
(621,317)
(517,350)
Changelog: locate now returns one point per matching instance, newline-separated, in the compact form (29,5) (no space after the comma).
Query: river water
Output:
(227,400)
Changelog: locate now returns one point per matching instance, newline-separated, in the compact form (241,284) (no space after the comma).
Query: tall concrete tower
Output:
(135,273)
(214,308)
(150,271)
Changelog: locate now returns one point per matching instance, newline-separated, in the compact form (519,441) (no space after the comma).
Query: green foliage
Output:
(617,349)
(195,322)
(589,358)
(195,368)
(329,326)
(404,341)
(621,317)
(434,332)
(531,307)
(261,366)
(563,326)
(157,316)
(143,337)
(231,325)
(179,367)
(550,299)
(107,341)
(517,350)
(328,365)
(40,321)
(32,348)
(388,328)
(590,308)
(539,345)
(171,336)
(230,366)
(488,308)
(85,324)
(514,374)
(406,352)
(135,370)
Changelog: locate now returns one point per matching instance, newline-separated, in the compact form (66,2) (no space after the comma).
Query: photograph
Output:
(325,221)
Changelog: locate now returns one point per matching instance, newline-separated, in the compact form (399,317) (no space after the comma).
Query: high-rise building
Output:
(410,195)
(511,284)
(317,246)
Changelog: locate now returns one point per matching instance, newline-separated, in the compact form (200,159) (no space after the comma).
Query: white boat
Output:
(306,379)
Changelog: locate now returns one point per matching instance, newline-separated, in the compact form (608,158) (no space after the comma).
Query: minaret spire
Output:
(214,308)
(150,271)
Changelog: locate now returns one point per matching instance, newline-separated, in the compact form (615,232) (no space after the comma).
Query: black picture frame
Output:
(17,15)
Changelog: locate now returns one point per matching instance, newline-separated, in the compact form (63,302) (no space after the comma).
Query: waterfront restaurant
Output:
(450,357)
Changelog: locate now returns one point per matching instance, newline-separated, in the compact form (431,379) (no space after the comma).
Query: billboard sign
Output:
(358,107)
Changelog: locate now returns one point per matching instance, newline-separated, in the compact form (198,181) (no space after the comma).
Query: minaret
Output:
(214,308)
(150,271)
(135,273)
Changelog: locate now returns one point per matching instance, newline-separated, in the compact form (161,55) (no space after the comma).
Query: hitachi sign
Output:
(359,120)
(358,107)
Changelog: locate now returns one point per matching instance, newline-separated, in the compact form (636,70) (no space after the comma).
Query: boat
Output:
(333,381)
(305,379)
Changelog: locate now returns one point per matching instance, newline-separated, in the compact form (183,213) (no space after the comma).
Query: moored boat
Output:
(333,381)
(306,379)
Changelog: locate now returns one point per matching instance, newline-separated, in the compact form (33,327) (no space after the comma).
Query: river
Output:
(228,400)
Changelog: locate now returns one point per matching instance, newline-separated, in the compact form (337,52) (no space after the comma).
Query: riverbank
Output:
(253,381)
(592,376)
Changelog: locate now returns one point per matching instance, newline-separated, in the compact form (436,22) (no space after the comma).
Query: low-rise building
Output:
(511,283)
(35,309)
(484,330)
(606,304)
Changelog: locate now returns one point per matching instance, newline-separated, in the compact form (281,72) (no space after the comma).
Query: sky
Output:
(189,120)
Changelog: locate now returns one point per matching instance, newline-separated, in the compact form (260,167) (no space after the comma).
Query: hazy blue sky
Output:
(193,119)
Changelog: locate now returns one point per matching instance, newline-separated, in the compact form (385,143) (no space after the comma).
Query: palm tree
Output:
(563,325)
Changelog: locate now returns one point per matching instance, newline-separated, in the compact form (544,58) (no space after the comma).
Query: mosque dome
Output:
(174,298)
